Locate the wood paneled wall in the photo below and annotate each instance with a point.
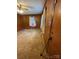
(19, 22)
(49, 10)
(23, 21)
(53, 28)
(38, 20)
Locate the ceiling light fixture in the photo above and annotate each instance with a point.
(20, 11)
(19, 8)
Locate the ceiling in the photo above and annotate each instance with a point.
(30, 6)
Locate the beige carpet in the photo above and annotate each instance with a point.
(30, 44)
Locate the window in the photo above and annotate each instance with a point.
(32, 21)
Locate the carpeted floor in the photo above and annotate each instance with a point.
(30, 44)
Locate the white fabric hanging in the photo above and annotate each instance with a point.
(32, 21)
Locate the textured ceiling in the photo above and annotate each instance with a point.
(33, 6)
